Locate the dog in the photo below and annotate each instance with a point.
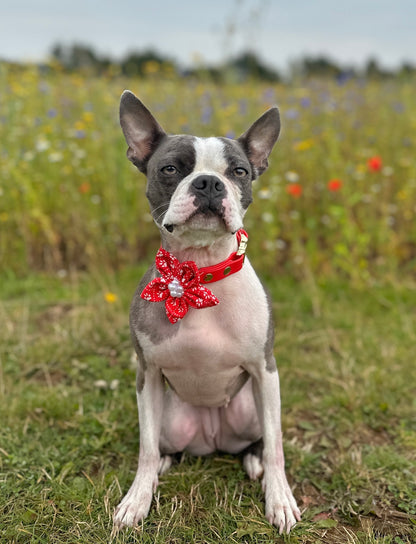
(201, 322)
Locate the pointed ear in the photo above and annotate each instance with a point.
(259, 139)
(141, 130)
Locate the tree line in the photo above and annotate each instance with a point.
(243, 66)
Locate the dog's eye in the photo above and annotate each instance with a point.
(240, 172)
(169, 170)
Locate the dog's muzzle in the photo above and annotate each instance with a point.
(209, 192)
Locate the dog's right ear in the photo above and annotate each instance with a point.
(141, 130)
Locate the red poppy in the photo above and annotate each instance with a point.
(294, 189)
(374, 164)
(334, 185)
(84, 188)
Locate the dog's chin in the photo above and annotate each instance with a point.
(206, 221)
(201, 228)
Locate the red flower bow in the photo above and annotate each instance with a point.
(179, 286)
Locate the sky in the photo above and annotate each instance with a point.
(211, 31)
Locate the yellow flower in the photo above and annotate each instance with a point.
(303, 145)
(402, 195)
(79, 125)
(88, 117)
(110, 298)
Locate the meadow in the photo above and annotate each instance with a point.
(332, 233)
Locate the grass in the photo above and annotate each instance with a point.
(69, 440)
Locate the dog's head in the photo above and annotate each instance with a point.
(198, 188)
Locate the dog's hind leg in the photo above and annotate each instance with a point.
(252, 460)
(164, 464)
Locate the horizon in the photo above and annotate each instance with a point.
(194, 34)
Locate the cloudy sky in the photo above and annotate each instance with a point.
(279, 31)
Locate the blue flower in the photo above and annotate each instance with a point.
(206, 114)
(292, 113)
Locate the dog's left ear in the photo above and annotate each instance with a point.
(141, 130)
(259, 139)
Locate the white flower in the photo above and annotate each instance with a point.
(264, 194)
(267, 217)
(42, 145)
(292, 176)
(28, 156)
(55, 157)
(96, 199)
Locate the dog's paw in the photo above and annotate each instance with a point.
(253, 466)
(164, 464)
(281, 507)
(133, 508)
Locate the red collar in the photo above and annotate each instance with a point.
(234, 263)
(180, 284)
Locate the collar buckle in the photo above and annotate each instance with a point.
(242, 246)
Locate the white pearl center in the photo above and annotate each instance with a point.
(175, 288)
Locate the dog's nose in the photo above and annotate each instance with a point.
(209, 187)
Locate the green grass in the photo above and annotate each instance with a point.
(69, 439)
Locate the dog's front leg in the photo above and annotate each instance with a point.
(281, 508)
(136, 504)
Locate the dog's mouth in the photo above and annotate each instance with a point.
(206, 220)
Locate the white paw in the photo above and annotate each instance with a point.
(281, 507)
(164, 464)
(133, 508)
(253, 466)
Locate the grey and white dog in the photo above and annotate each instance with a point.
(207, 381)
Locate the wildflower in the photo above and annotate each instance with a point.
(292, 113)
(56, 156)
(96, 199)
(206, 115)
(375, 163)
(334, 185)
(295, 190)
(303, 145)
(42, 145)
(79, 125)
(388, 171)
(267, 217)
(402, 195)
(28, 156)
(269, 96)
(84, 188)
(87, 117)
(305, 101)
(264, 194)
(110, 298)
(114, 384)
(243, 107)
(292, 176)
